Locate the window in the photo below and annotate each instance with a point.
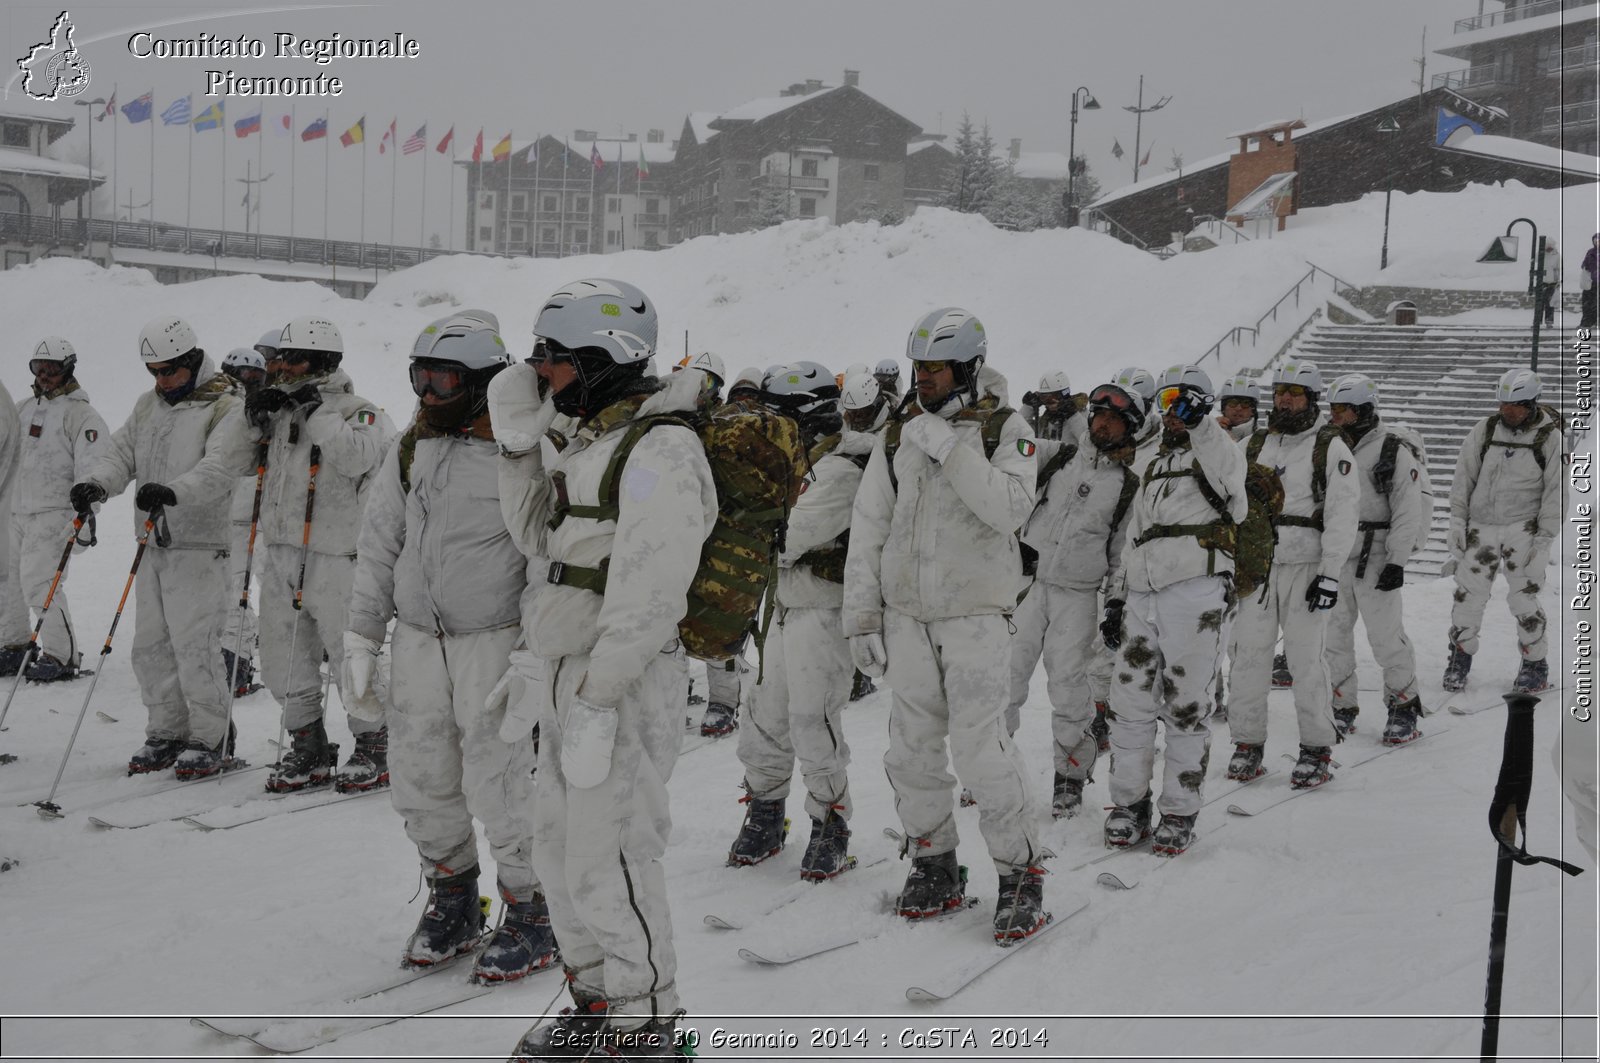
(869, 172)
(869, 136)
(16, 135)
(583, 204)
(547, 235)
(808, 167)
(650, 240)
(741, 208)
(485, 235)
(12, 201)
(549, 205)
(486, 201)
(652, 206)
(741, 169)
(808, 207)
(519, 202)
(613, 204)
(519, 235)
(580, 236)
(611, 238)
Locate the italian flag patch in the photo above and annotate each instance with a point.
(1026, 448)
(366, 417)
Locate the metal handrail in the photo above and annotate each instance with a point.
(1221, 224)
(1512, 14)
(1236, 331)
(1128, 236)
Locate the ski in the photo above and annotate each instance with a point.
(270, 805)
(1381, 751)
(1458, 706)
(410, 974)
(951, 981)
(146, 809)
(789, 895)
(291, 1035)
(778, 958)
(1045, 852)
(1129, 880)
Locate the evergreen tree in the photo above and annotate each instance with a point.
(772, 204)
(976, 173)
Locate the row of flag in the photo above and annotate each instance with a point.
(180, 112)
(1117, 152)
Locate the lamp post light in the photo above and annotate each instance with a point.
(1388, 126)
(1139, 111)
(89, 230)
(1504, 249)
(1089, 104)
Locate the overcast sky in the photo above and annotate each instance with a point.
(628, 66)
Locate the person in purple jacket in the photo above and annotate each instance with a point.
(1591, 265)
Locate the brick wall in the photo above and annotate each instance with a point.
(1442, 302)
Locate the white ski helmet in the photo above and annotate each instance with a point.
(856, 367)
(1239, 387)
(802, 391)
(1354, 389)
(1136, 381)
(55, 349)
(749, 378)
(312, 334)
(1054, 382)
(947, 334)
(243, 358)
(1120, 401)
(611, 315)
(268, 343)
(887, 367)
(1185, 381)
(1306, 374)
(863, 392)
(166, 339)
(707, 362)
(468, 338)
(1518, 385)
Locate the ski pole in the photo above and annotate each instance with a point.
(299, 589)
(1507, 811)
(48, 808)
(249, 558)
(78, 522)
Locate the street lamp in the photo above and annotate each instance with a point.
(1504, 249)
(89, 231)
(1089, 104)
(1389, 126)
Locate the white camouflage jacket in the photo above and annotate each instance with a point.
(1071, 525)
(1401, 508)
(1168, 499)
(820, 516)
(944, 544)
(1291, 457)
(61, 434)
(1506, 485)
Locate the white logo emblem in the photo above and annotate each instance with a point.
(55, 69)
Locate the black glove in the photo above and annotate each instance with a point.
(1322, 594)
(308, 398)
(152, 495)
(1030, 399)
(1191, 408)
(260, 405)
(1391, 578)
(1111, 626)
(82, 496)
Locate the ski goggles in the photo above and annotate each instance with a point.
(1111, 397)
(47, 367)
(545, 350)
(937, 365)
(442, 381)
(161, 372)
(288, 357)
(1299, 391)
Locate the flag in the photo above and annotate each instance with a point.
(502, 150)
(110, 108)
(210, 118)
(139, 110)
(416, 141)
(355, 134)
(1116, 148)
(177, 112)
(283, 125)
(247, 125)
(1146, 160)
(316, 130)
(532, 154)
(477, 147)
(594, 157)
(644, 167)
(388, 136)
(444, 144)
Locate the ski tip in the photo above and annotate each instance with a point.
(49, 810)
(197, 823)
(1235, 810)
(918, 995)
(105, 716)
(720, 924)
(1110, 881)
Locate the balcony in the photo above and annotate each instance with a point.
(795, 183)
(1579, 57)
(1482, 77)
(1514, 14)
(650, 219)
(1585, 113)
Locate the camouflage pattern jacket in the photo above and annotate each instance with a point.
(1291, 456)
(1506, 485)
(819, 518)
(1402, 508)
(1072, 524)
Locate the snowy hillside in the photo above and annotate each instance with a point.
(1350, 923)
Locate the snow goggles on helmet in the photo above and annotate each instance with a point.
(46, 367)
(1299, 391)
(1170, 396)
(938, 365)
(545, 350)
(443, 381)
(1111, 397)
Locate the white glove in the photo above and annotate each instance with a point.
(1538, 559)
(524, 691)
(1449, 567)
(517, 414)
(867, 652)
(587, 737)
(930, 434)
(357, 688)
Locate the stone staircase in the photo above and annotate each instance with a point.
(1438, 380)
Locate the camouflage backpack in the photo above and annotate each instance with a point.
(1249, 543)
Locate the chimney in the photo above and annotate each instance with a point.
(654, 136)
(852, 78)
(584, 134)
(1016, 147)
(813, 84)
(632, 137)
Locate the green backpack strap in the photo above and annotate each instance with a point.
(406, 455)
(1058, 461)
(1130, 488)
(607, 507)
(1537, 446)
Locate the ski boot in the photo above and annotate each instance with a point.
(522, 943)
(1402, 725)
(861, 686)
(452, 924)
(309, 762)
(1532, 677)
(1019, 913)
(1455, 672)
(1344, 720)
(827, 851)
(1246, 762)
(11, 658)
(936, 884)
(1101, 728)
(1128, 824)
(719, 720)
(762, 834)
(1311, 769)
(241, 671)
(1173, 834)
(572, 1035)
(157, 754)
(368, 766)
(1067, 799)
(1281, 677)
(48, 668)
(198, 760)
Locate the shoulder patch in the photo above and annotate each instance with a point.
(366, 417)
(91, 434)
(1344, 467)
(1026, 447)
(1413, 472)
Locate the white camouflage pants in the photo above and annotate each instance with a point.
(36, 542)
(722, 681)
(1062, 625)
(796, 711)
(179, 602)
(447, 762)
(1380, 613)
(1492, 548)
(598, 850)
(240, 634)
(951, 683)
(1172, 646)
(1304, 644)
(297, 682)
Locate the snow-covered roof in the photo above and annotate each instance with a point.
(1509, 149)
(1042, 165)
(1276, 126)
(14, 161)
(756, 110)
(12, 108)
(700, 124)
(913, 148)
(140, 256)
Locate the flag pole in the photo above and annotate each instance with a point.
(327, 150)
(362, 241)
(450, 215)
(394, 176)
(222, 127)
(561, 234)
(152, 165)
(188, 186)
(261, 145)
(422, 222)
(595, 148)
(115, 172)
(533, 214)
(294, 134)
(507, 212)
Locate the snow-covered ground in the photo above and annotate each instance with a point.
(1350, 923)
